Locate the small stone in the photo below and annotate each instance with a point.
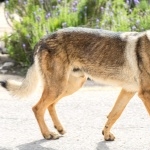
(4, 51)
(7, 65)
(2, 44)
(3, 71)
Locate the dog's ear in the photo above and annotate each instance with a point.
(148, 34)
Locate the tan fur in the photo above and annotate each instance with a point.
(65, 59)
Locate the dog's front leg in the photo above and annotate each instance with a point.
(123, 99)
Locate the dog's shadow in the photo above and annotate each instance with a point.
(34, 145)
(37, 146)
(102, 146)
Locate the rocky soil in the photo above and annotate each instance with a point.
(7, 64)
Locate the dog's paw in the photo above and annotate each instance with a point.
(108, 136)
(3, 83)
(60, 130)
(51, 136)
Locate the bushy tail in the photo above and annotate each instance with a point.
(29, 84)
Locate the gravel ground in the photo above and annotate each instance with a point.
(83, 115)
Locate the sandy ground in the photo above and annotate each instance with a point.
(83, 115)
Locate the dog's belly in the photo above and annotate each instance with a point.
(125, 78)
(130, 85)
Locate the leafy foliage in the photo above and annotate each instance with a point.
(32, 19)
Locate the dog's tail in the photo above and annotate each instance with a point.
(29, 84)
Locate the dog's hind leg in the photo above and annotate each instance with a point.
(54, 75)
(122, 100)
(53, 114)
(74, 83)
(49, 97)
(39, 111)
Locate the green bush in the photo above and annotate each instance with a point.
(36, 18)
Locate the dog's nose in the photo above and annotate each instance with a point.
(3, 83)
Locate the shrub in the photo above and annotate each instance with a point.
(35, 18)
